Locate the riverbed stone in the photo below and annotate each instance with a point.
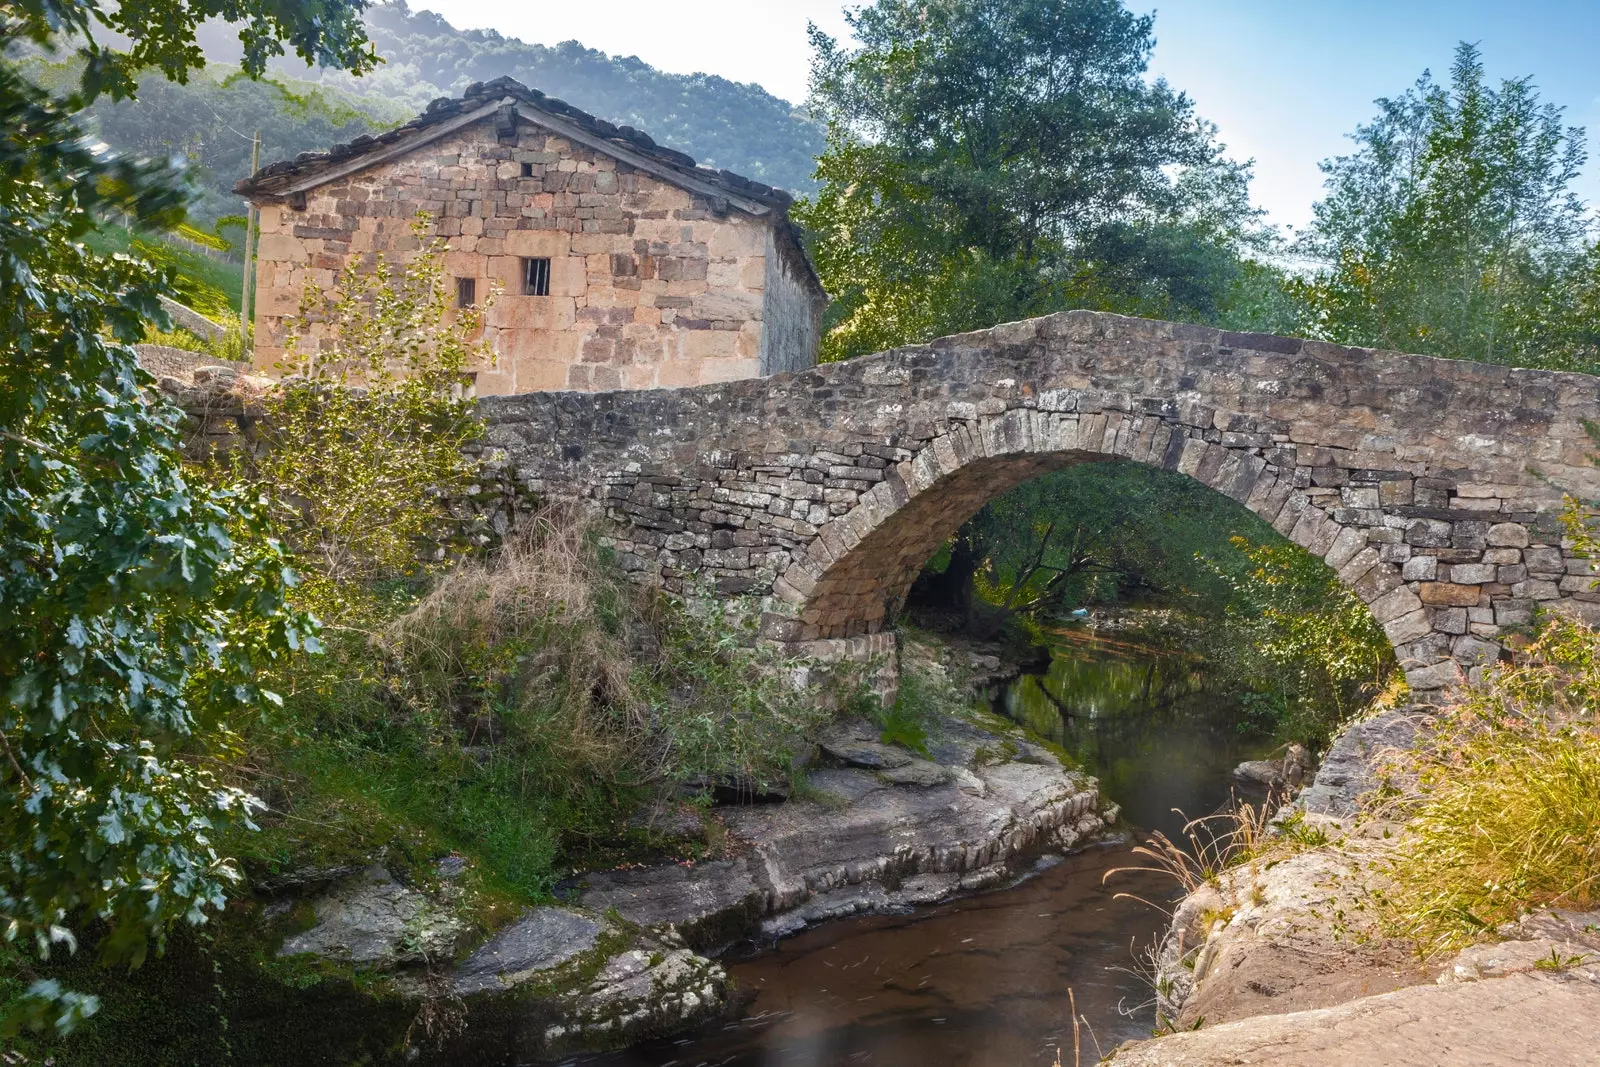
(542, 939)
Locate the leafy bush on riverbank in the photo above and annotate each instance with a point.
(1299, 646)
(1505, 814)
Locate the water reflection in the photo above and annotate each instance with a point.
(1141, 720)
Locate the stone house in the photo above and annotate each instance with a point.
(621, 264)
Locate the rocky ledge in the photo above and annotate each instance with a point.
(879, 828)
(870, 827)
(1283, 961)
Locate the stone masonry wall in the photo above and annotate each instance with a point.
(1432, 486)
(649, 286)
(792, 326)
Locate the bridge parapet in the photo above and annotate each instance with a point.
(1434, 487)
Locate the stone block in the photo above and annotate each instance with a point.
(1359, 496)
(1514, 612)
(1444, 675)
(1508, 535)
(1420, 569)
(1471, 573)
(1450, 620)
(1396, 492)
(1350, 541)
(1409, 627)
(1394, 553)
(1446, 594)
(1543, 559)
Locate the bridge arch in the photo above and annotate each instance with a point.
(1433, 487)
(853, 577)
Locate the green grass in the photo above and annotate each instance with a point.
(1505, 816)
(210, 286)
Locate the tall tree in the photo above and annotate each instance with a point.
(1453, 229)
(991, 159)
(136, 609)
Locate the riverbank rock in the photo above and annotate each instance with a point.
(552, 981)
(372, 920)
(1276, 775)
(560, 980)
(1283, 961)
(1353, 764)
(881, 829)
(1509, 1022)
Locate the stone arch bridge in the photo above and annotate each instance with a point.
(1433, 487)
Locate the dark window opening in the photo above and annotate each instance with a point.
(536, 277)
(466, 292)
(527, 170)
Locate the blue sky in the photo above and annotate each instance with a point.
(1284, 81)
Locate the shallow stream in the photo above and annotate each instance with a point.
(990, 981)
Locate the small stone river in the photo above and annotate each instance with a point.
(990, 980)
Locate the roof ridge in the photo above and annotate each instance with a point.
(275, 177)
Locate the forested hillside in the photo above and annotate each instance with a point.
(721, 123)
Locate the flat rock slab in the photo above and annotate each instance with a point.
(865, 833)
(542, 939)
(1506, 1022)
(856, 742)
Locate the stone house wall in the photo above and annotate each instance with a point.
(650, 285)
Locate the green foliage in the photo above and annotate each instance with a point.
(519, 713)
(215, 997)
(1300, 644)
(113, 43)
(136, 610)
(991, 160)
(1273, 623)
(210, 286)
(1454, 230)
(209, 121)
(365, 436)
(1103, 532)
(1505, 816)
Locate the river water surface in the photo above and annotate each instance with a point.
(990, 981)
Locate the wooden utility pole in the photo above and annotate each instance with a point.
(246, 321)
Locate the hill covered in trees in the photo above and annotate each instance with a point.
(209, 120)
(719, 122)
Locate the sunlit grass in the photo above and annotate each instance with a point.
(1505, 813)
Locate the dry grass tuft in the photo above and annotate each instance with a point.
(538, 641)
(1215, 843)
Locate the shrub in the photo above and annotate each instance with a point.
(363, 440)
(1301, 645)
(1505, 814)
(519, 712)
